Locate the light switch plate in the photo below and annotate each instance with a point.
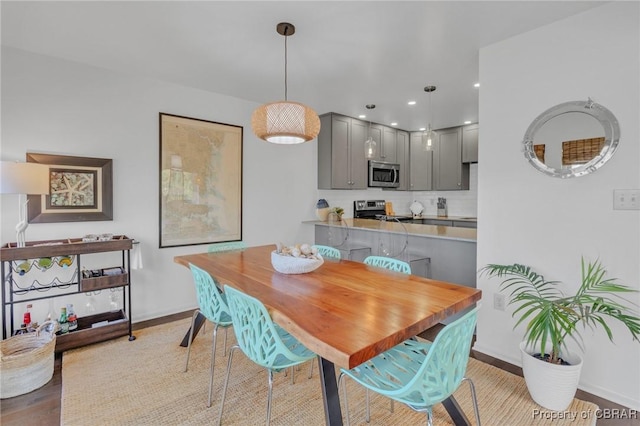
(626, 199)
(499, 301)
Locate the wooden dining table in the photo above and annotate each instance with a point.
(346, 312)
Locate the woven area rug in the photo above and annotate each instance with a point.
(143, 383)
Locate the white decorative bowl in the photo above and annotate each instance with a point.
(294, 265)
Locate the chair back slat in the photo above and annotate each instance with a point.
(388, 263)
(328, 252)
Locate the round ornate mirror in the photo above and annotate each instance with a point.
(571, 139)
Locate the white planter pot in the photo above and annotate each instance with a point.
(322, 213)
(550, 385)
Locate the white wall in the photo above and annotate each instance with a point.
(528, 217)
(60, 107)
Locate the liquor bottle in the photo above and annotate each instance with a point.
(72, 318)
(27, 315)
(63, 321)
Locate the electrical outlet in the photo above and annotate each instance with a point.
(626, 199)
(499, 301)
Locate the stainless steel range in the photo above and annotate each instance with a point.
(374, 209)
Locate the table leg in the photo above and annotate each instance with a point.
(200, 319)
(456, 413)
(332, 412)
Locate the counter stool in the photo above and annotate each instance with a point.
(420, 265)
(339, 238)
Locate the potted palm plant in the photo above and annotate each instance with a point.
(552, 318)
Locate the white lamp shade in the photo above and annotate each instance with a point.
(285, 122)
(24, 178)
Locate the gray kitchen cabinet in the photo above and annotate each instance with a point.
(438, 222)
(446, 222)
(470, 143)
(403, 158)
(449, 171)
(342, 163)
(341, 160)
(420, 164)
(385, 138)
(389, 142)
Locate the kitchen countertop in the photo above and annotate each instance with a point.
(434, 231)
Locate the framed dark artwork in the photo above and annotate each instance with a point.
(80, 189)
(200, 181)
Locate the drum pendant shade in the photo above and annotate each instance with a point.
(285, 122)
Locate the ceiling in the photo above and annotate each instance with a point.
(343, 55)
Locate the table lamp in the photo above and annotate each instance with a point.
(22, 179)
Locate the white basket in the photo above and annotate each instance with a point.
(27, 361)
(294, 265)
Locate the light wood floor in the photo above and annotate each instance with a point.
(42, 406)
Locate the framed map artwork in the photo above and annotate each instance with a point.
(80, 189)
(200, 181)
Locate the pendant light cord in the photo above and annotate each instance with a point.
(370, 107)
(285, 63)
(430, 112)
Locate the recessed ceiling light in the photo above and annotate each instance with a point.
(422, 129)
(411, 103)
(362, 116)
(394, 124)
(467, 122)
(476, 85)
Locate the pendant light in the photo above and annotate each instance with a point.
(285, 122)
(370, 145)
(427, 136)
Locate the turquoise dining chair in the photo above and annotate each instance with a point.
(420, 374)
(328, 252)
(213, 305)
(218, 248)
(262, 341)
(393, 265)
(388, 263)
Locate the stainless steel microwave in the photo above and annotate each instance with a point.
(384, 175)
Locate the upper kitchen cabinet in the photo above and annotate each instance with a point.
(450, 173)
(341, 160)
(470, 143)
(385, 138)
(420, 165)
(403, 158)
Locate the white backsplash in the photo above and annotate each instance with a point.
(459, 203)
